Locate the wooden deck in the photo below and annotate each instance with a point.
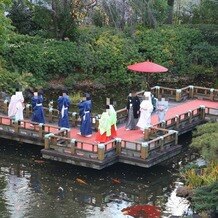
(189, 107)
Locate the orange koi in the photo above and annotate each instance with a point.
(80, 181)
(116, 181)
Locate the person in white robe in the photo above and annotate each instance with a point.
(162, 107)
(146, 109)
(15, 107)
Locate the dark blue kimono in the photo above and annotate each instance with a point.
(63, 107)
(38, 113)
(85, 115)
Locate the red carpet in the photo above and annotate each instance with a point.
(136, 134)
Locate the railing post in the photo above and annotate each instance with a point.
(191, 91)
(101, 151)
(157, 92)
(190, 116)
(16, 126)
(41, 129)
(96, 122)
(178, 94)
(161, 143)
(27, 110)
(176, 135)
(50, 113)
(66, 132)
(146, 133)
(5, 106)
(73, 145)
(47, 140)
(118, 145)
(108, 101)
(211, 94)
(202, 110)
(74, 119)
(163, 124)
(144, 150)
(177, 121)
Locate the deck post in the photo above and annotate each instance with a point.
(161, 143)
(41, 130)
(144, 150)
(146, 133)
(178, 94)
(118, 145)
(73, 145)
(211, 94)
(191, 91)
(27, 110)
(101, 151)
(202, 111)
(47, 140)
(157, 92)
(5, 106)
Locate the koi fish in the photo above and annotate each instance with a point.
(80, 181)
(116, 181)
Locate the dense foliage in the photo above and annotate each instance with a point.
(205, 179)
(102, 55)
(205, 139)
(206, 198)
(74, 41)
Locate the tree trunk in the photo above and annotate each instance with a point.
(170, 11)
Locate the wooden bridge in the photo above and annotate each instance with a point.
(189, 107)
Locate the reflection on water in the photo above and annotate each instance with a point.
(33, 188)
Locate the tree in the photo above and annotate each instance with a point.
(21, 13)
(5, 24)
(205, 139)
(206, 12)
(170, 11)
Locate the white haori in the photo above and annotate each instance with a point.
(15, 108)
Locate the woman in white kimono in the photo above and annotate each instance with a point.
(15, 108)
(146, 109)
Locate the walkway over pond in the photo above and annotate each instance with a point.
(189, 107)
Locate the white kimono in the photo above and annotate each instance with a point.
(146, 109)
(15, 108)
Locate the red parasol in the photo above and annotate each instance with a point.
(147, 67)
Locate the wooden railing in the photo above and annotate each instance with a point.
(80, 148)
(145, 149)
(26, 128)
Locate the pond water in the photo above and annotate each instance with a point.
(32, 187)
